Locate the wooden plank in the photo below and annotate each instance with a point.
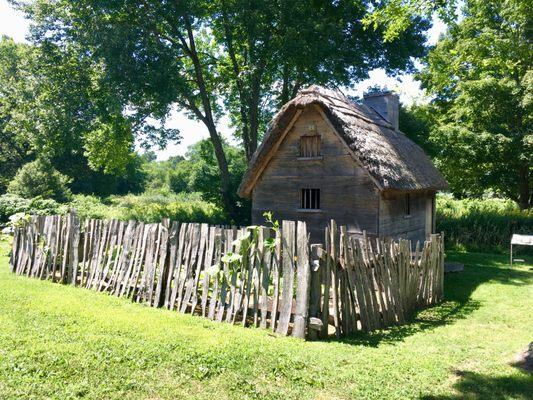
(288, 258)
(66, 236)
(327, 284)
(252, 260)
(74, 248)
(133, 281)
(192, 294)
(303, 282)
(315, 287)
(234, 295)
(218, 254)
(227, 238)
(145, 263)
(128, 243)
(182, 239)
(173, 249)
(208, 262)
(276, 266)
(124, 287)
(190, 263)
(334, 276)
(265, 279)
(162, 266)
(256, 277)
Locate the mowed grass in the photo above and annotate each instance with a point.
(62, 342)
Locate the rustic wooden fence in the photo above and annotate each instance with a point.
(258, 276)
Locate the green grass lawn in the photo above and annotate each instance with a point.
(62, 342)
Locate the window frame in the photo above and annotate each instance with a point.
(310, 197)
(407, 205)
(310, 155)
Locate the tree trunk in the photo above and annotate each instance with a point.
(224, 173)
(524, 197)
(209, 121)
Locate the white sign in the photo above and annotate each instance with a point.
(526, 240)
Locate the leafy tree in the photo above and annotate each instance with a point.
(252, 55)
(180, 177)
(204, 176)
(480, 74)
(417, 121)
(395, 17)
(54, 104)
(40, 178)
(14, 145)
(274, 49)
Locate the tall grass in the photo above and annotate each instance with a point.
(147, 207)
(150, 207)
(481, 224)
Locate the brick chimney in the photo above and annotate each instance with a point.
(385, 103)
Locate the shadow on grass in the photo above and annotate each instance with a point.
(472, 385)
(458, 288)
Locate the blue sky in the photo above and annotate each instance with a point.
(13, 24)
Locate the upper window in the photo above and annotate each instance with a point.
(310, 146)
(310, 199)
(407, 204)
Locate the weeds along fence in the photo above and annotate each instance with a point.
(266, 277)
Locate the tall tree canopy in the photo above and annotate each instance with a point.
(55, 104)
(209, 57)
(480, 74)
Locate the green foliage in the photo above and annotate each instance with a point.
(480, 74)
(55, 104)
(40, 178)
(149, 207)
(204, 176)
(14, 144)
(11, 204)
(396, 16)
(481, 224)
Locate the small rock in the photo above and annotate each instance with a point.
(453, 267)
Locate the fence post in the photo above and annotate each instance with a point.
(73, 242)
(288, 253)
(303, 282)
(315, 323)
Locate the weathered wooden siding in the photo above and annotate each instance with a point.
(347, 193)
(395, 223)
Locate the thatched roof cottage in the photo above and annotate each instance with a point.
(325, 157)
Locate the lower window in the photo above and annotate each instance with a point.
(310, 199)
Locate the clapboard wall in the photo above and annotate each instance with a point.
(347, 193)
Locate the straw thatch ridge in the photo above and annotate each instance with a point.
(392, 159)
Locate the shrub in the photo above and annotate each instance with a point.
(12, 204)
(152, 207)
(481, 224)
(88, 207)
(40, 178)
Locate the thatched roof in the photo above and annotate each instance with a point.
(391, 158)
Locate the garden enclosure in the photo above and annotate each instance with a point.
(269, 277)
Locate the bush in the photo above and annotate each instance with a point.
(91, 207)
(12, 204)
(481, 224)
(152, 207)
(40, 178)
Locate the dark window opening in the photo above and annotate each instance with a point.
(407, 204)
(310, 199)
(310, 146)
